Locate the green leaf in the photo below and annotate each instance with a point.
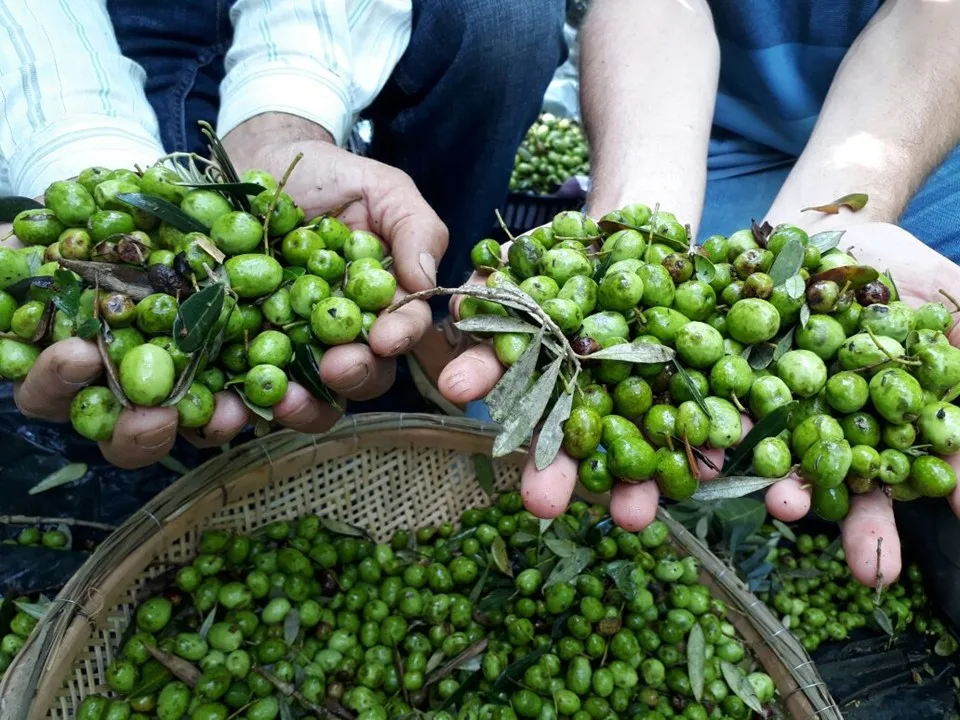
(569, 567)
(545, 524)
(208, 623)
(696, 660)
(500, 558)
(854, 201)
(894, 290)
(622, 572)
(827, 240)
(483, 468)
(883, 621)
(731, 487)
(247, 188)
(706, 271)
(788, 262)
(65, 475)
(514, 383)
(286, 712)
(740, 686)
(784, 530)
(339, 527)
(804, 315)
(114, 277)
(306, 371)
(35, 610)
(262, 412)
(795, 287)
(644, 354)
(197, 318)
(856, 275)
(772, 424)
(946, 645)
(760, 356)
(702, 528)
(166, 211)
(68, 297)
(526, 414)
(784, 344)
(559, 547)
(478, 588)
(88, 329)
(551, 434)
(153, 676)
(13, 205)
(291, 627)
(691, 386)
(496, 323)
(210, 347)
(744, 513)
(291, 273)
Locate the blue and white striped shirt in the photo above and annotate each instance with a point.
(69, 99)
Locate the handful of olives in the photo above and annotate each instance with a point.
(188, 289)
(860, 385)
(553, 151)
(495, 620)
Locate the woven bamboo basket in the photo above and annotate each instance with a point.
(381, 472)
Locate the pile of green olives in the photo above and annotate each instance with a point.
(33, 536)
(553, 151)
(290, 283)
(757, 322)
(504, 618)
(820, 601)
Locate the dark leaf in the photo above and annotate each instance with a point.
(167, 280)
(209, 349)
(264, 413)
(623, 574)
(894, 290)
(804, 315)
(731, 487)
(494, 600)
(478, 588)
(13, 205)
(69, 289)
(291, 626)
(471, 652)
(772, 424)
(496, 323)
(746, 513)
(115, 278)
(42, 331)
(854, 201)
(644, 354)
(761, 232)
(856, 275)
(110, 369)
(545, 524)
(559, 547)
(784, 344)
(219, 153)
(483, 468)
(551, 434)
(826, 240)
(705, 269)
(609, 227)
(691, 385)
(795, 287)
(570, 567)
(784, 530)
(514, 383)
(286, 712)
(166, 211)
(247, 188)
(88, 329)
(306, 370)
(208, 623)
(788, 262)
(696, 660)
(20, 289)
(180, 668)
(740, 686)
(338, 527)
(153, 677)
(527, 412)
(292, 273)
(500, 558)
(883, 620)
(197, 318)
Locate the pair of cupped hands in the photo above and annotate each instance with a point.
(385, 201)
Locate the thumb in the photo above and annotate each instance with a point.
(59, 373)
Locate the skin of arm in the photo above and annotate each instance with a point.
(890, 117)
(649, 83)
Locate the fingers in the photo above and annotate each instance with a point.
(230, 416)
(142, 436)
(788, 500)
(546, 493)
(356, 373)
(417, 236)
(708, 473)
(471, 375)
(59, 373)
(302, 412)
(870, 521)
(395, 333)
(633, 506)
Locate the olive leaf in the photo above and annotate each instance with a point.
(696, 660)
(113, 277)
(291, 626)
(804, 315)
(788, 262)
(784, 344)
(559, 547)
(13, 205)
(42, 287)
(458, 662)
(740, 686)
(545, 524)
(210, 348)
(264, 413)
(642, 354)
(286, 712)
(570, 567)
(306, 371)
(197, 318)
(44, 325)
(827, 240)
(88, 329)
(702, 528)
(527, 412)
(500, 558)
(883, 621)
(69, 289)
(784, 530)
(63, 476)
(483, 469)
(691, 386)
(551, 434)
(208, 623)
(153, 677)
(338, 527)
(206, 244)
(731, 487)
(163, 210)
(854, 201)
(247, 188)
(623, 573)
(496, 323)
(706, 271)
(854, 275)
(771, 424)
(515, 381)
(109, 367)
(795, 287)
(894, 290)
(290, 274)
(35, 610)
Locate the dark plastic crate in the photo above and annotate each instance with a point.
(525, 212)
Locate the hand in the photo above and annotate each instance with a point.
(919, 273)
(386, 203)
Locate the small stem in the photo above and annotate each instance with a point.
(638, 313)
(691, 460)
(71, 522)
(736, 401)
(503, 225)
(290, 691)
(274, 200)
(879, 572)
(950, 297)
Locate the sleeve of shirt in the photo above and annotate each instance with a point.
(322, 60)
(69, 99)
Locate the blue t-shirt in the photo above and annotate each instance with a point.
(777, 60)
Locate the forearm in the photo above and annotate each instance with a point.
(649, 77)
(892, 114)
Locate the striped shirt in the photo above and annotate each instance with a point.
(69, 99)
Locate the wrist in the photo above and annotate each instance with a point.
(273, 127)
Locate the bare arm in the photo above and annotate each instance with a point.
(892, 114)
(649, 78)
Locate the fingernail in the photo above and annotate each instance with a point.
(153, 439)
(401, 347)
(429, 267)
(74, 375)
